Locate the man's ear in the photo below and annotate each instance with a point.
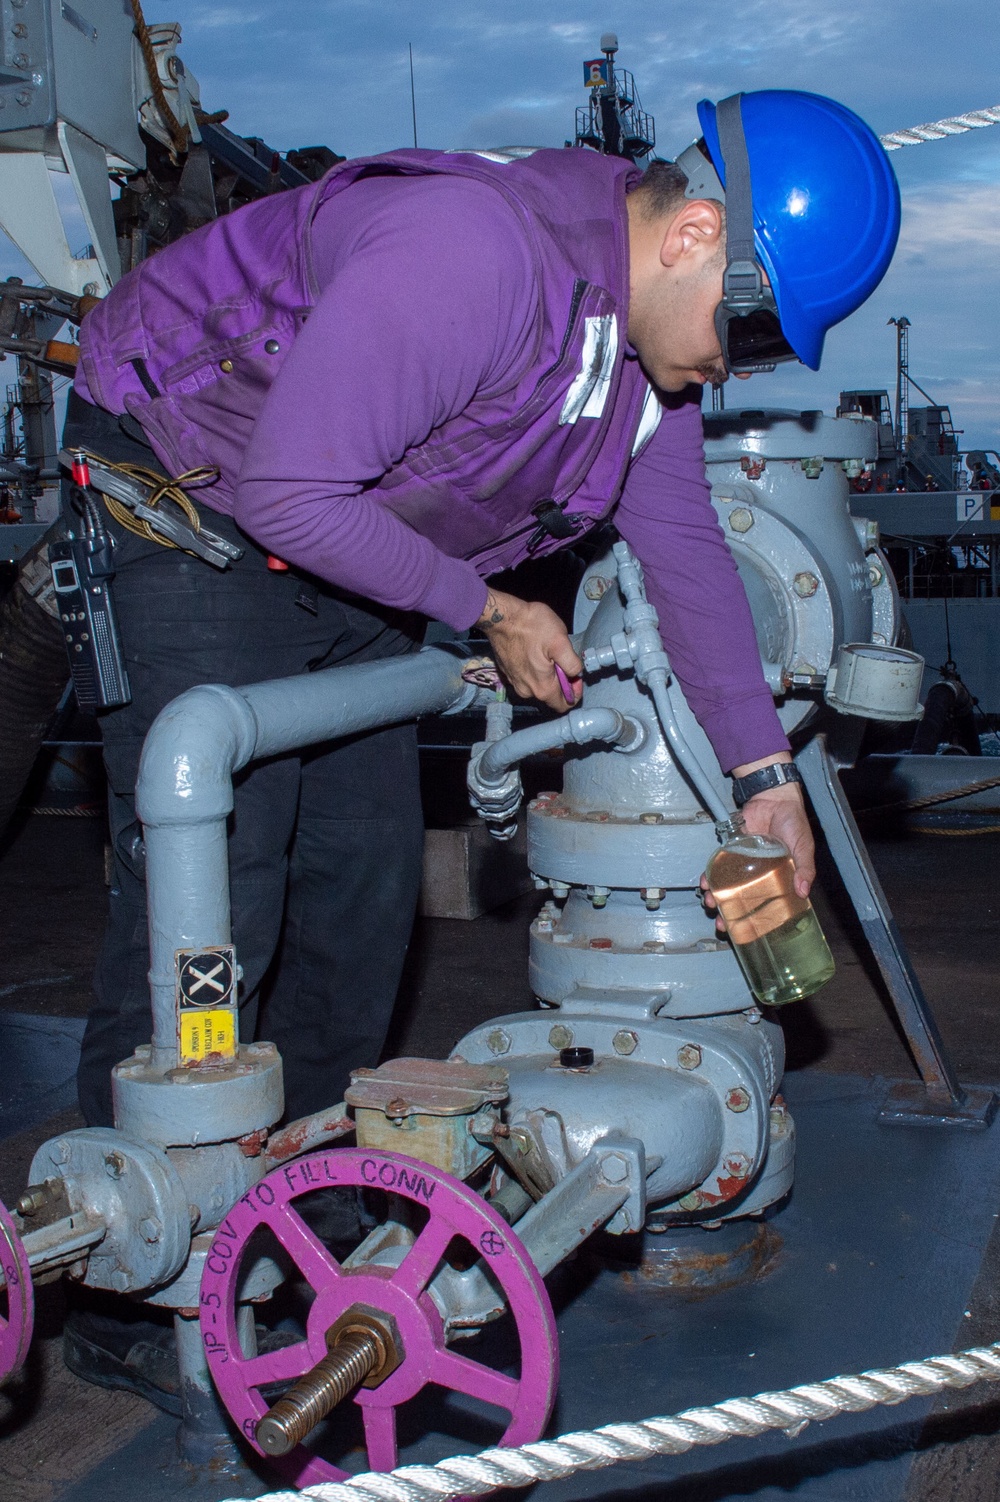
(694, 234)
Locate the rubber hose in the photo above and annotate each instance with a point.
(33, 675)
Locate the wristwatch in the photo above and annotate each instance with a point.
(774, 776)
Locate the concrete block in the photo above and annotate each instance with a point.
(468, 872)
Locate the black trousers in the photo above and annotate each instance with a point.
(325, 845)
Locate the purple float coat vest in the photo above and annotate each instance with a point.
(191, 341)
(244, 284)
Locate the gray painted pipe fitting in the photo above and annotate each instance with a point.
(185, 789)
(577, 727)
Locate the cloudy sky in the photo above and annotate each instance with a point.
(499, 72)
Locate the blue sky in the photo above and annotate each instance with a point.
(335, 72)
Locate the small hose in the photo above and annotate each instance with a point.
(577, 727)
(686, 759)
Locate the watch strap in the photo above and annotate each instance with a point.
(774, 776)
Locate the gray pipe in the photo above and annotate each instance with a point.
(578, 727)
(184, 794)
(659, 686)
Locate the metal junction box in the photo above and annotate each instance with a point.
(66, 62)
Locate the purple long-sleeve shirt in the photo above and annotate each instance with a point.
(355, 394)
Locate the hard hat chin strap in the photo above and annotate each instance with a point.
(743, 288)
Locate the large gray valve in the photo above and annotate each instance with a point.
(647, 1079)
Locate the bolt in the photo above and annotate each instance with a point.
(876, 574)
(498, 1041)
(483, 1126)
(602, 944)
(741, 519)
(150, 1230)
(19, 29)
(614, 1168)
(737, 1166)
(650, 818)
(597, 816)
(692, 1201)
(541, 885)
(363, 1346)
(738, 1099)
(652, 897)
(560, 1036)
(21, 60)
(654, 946)
(599, 895)
(563, 938)
(59, 1152)
(689, 1056)
(813, 468)
(596, 587)
(625, 1041)
(31, 1202)
(805, 585)
(560, 890)
(395, 1107)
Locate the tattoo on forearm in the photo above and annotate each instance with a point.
(492, 615)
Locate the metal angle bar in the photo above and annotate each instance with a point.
(945, 1099)
(585, 1199)
(239, 156)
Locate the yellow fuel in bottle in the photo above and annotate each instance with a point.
(774, 932)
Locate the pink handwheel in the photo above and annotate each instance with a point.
(454, 1210)
(16, 1328)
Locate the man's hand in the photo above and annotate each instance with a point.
(781, 813)
(527, 640)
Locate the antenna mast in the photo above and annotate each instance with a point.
(902, 386)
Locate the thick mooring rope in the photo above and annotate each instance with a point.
(547, 1460)
(936, 130)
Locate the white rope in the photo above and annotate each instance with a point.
(475, 1475)
(936, 130)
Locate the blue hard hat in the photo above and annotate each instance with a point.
(825, 207)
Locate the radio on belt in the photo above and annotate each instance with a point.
(82, 568)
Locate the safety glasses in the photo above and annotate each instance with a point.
(752, 341)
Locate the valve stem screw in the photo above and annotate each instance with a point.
(363, 1347)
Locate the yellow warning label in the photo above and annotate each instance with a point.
(204, 1033)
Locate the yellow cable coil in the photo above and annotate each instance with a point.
(161, 489)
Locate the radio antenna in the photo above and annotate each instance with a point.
(413, 98)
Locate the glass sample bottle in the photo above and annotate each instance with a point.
(774, 932)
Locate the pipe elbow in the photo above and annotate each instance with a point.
(602, 724)
(192, 750)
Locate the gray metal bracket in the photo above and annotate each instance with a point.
(939, 1099)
